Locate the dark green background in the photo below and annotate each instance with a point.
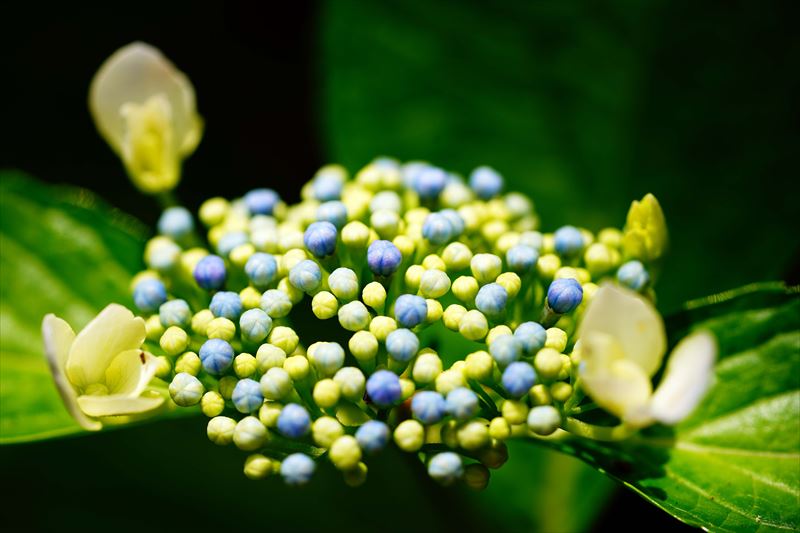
(583, 106)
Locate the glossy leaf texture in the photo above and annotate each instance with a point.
(62, 251)
(734, 464)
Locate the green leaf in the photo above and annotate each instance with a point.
(734, 464)
(62, 251)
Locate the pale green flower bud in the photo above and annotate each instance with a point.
(189, 363)
(200, 321)
(511, 282)
(298, 367)
(185, 389)
(599, 259)
(413, 277)
(645, 235)
(213, 211)
(407, 389)
(374, 295)
(354, 316)
(434, 312)
(561, 391)
(515, 411)
(409, 435)
(276, 384)
(250, 434)
(456, 256)
(479, 365)
(355, 235)
(486, 267)
(220, 430)
(268, 414)
(245, 365)
(427, 368)
(284, 338)
(163, 368)
(355, 477)
(433, 262)
(324, 305)
(325, 430)
(153, 328)
(434, 284)
(363, 345)
(548, 363)
(344, 284)
(547, 265)
(226, 386)
(540, 395)
(221, 328)
(212, 404)
(405, 244)
(258, 466)
(326, 393)
(381, 326)
(499, 428)
(452, 316)
(345, 453)
(465, 288)
(611, 237)
(474, 325)
(556, 339)
(497, 332)
(269, 356)
(352, 382)
(544, 420)
(449, 380)
(473, 435)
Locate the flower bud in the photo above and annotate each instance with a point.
(185, 389)
(220, 430)
(409, 435)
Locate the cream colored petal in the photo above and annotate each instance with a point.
(632, 320)
(689, 373)
(623, 389)
(124, 374)
(58, 338)
(134, 73)
(113, 331)
(118, 404)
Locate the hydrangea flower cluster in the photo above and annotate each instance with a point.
(400, 250)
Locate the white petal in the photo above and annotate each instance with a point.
(58, 338)
(615, 383)
(632, 320)
(689, 373)
(118, 404)
(113, 331)
(134, 73)
(130, 372)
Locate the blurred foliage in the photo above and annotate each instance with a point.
(62, 251)
(586, 108)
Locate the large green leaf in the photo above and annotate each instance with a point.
(62, 251)
(734, 464)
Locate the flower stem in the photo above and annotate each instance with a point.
(602, 433)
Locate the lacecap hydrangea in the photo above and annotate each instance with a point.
(308, 333)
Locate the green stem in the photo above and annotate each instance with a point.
(601, 433)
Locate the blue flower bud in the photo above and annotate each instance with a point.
(437, 228)
(334, 212)
(294, 421)
(428, 407)
(462, 403)
(532, 336)
(176, 222)
(429, 182)
(568, 241)
(410, 310)
(161, 253)
(372, 436)
(149, 294)
(216, 355)
(383, 258)
(297, 469)
(247, 396)
(486, 182)
(564, 295)
(320, 238)
(521, 258)
(255, 325)
(328, 357)
(327, 187)
(209, 273)
(446, 468)
(175, 313)
(276, 303)
(402, 344)
(261, 269)
(456, 221)
(226, 304)
(383, 388)
(306, 275)
(633, 275)
(231, 240)
(505, 350)
(261, 201)
(518, 378)
(491, 299)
